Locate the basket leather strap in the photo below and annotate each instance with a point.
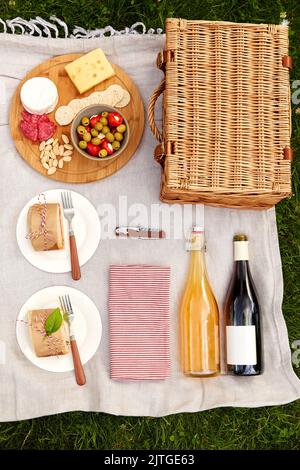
(287, 62)
(157, 92)
(288, 153)
(159, 155)
(161, 60)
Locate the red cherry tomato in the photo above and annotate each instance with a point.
(87, 128)
(94, 119)
(107, 146)
(92, 149)
(114, 119)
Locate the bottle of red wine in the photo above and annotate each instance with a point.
(242, 313)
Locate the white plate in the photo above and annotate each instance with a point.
(87, 230)
(87, 326)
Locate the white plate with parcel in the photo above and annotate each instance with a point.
(86, 225)
(87, 327)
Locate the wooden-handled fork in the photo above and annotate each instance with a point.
(66, 198)
(66, 306)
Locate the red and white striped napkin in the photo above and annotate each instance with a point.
(139, 322)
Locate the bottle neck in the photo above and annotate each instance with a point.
(241, 257)
(241, 270)
(197, 248)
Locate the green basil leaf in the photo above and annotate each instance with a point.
(53, 322)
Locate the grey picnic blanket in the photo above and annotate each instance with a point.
(27, 391)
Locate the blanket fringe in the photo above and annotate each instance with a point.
(55, 28)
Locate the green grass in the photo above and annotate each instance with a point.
(264, 428)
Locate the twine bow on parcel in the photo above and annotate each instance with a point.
(43, 230)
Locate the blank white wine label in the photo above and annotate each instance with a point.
(241, 345)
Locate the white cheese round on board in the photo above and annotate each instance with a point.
(39, 95)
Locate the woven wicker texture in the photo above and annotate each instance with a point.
(226, 133)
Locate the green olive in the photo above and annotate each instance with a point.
(98, 126)
(82, 144)
(102, 153)
(121, 128)
(85, 121)
(96, 141)
(105, 130)
(80, 130)
(94, 132)
(118, 136)
(104, 114)
(110, 137)
(87, 137)
(116, 145)
(104, 121)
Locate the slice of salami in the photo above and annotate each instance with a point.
(29, 130)
(43, 118)
(26, 116)
(37, 127)
(46, 130)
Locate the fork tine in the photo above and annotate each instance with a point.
(67, 200)
(67, 301)
(66, 304)
(63, 304)
(71, 200)
(69, 305)
(63, 200)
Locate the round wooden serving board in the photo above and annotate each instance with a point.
(80, 169)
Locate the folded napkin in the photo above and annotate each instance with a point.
(139, 322)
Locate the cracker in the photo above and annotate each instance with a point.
(84, 102)
(124, 101)
(64, 115)
(109, 99)
(75, 105)
(96, 97)
(116, 90)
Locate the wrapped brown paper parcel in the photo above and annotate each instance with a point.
(53, 345)
(53, 237)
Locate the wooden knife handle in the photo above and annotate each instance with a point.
(79, 372)
(76, 273)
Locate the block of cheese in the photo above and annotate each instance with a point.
(89, 70)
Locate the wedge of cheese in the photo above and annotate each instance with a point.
(89, 70)
(54, 345)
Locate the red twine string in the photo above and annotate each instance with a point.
(54, 344)
(43, 231)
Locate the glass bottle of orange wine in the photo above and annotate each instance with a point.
(199, 316)
(242, 316)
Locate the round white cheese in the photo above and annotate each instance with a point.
(39, 95)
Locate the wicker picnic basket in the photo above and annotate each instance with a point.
(226, 114)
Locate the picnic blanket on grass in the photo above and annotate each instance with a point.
(27, 391)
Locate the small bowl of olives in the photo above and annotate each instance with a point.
(99, 132)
